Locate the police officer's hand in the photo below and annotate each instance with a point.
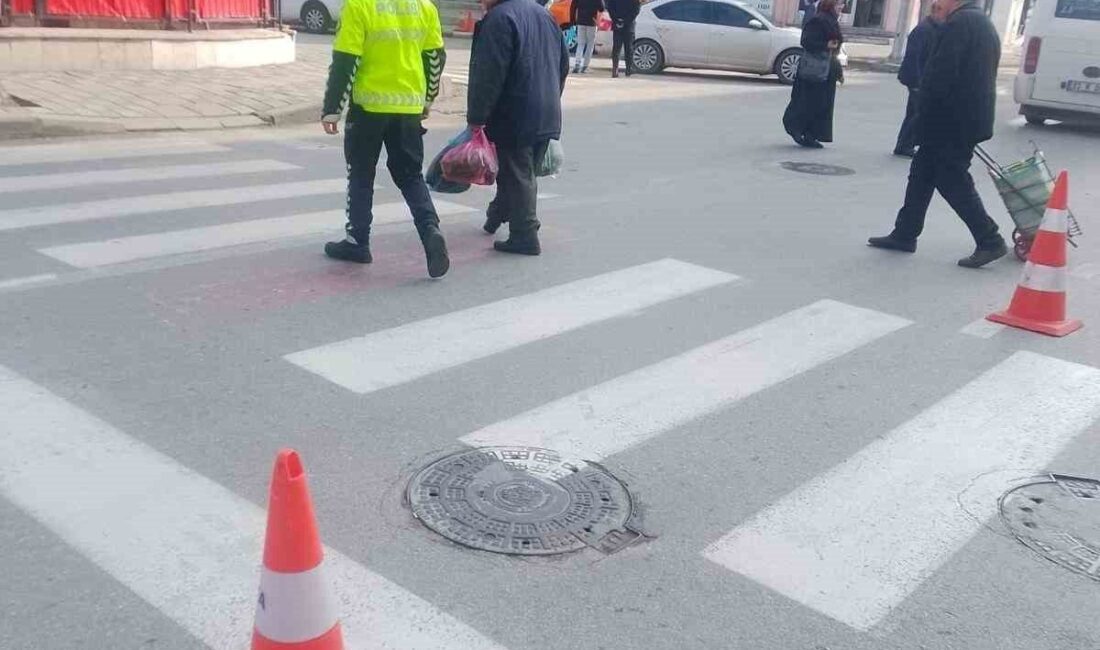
(331, 126)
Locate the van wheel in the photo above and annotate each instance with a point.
(1034, 120)
(315, 18)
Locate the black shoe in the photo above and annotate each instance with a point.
(525, 246)
(906, 153)
(435, 249)
(492, 224)
(810, 143)
(348, 252)
(892, 243)
(985, 254)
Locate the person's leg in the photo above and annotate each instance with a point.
(617, 36)
(918, 195)
(589, 46)
(578, 52)
(517, 170)
(956, 185)
(405, 159)
(363, 135)
(906, 144)
(628, 43)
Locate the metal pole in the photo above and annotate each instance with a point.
(904, 26)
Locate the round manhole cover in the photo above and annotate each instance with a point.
(1058, 517)
(523, 501)
(818, 169)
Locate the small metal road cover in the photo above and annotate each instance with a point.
(1058, 517)
(818, 169)
(523, 501)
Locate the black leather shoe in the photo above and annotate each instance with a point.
(905, 153)
(525, 246)
(435, 249)
(811, 143)
(890, 242)
(348, 252)
(984, 255)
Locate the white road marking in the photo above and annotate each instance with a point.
(27, 280)
(138, 247)
(982, 329)
(401, 354)
(101, 150)
(153, 203)
(854, 542)
(623, 412)
(137, 174)
(183, 543)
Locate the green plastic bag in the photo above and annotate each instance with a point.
(551, 163)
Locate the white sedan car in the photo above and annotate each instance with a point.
(713, 34)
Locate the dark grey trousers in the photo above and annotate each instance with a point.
(517, 189)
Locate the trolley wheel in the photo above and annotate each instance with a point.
(1021, 245)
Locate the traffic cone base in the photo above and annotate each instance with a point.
(331, 640)
(1055, 328)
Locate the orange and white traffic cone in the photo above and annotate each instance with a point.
(466, 24)
(1039, 304)
(297, 608)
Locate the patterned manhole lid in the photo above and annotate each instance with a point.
(1058, 517)
(523, 501)
(819, 169)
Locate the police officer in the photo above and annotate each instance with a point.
(388, 55)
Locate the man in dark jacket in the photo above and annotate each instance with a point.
(518, 68)
(955, 113)
(623, 15)
(917, 50)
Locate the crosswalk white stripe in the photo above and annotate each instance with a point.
(138, 174)
(152, 203)
(615, 415)
(185, 544)
(401, 354)
(88, 255)
(854, 542)
(26, 280)
(101, 150)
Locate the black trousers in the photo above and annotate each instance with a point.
(623, 39)
(907, 134)
(403, 137)
(944, 168)
(516, 201)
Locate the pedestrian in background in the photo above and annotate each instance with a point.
(518, 66)
(808, 9)
(955, 113)
(389, 56)
(809, 115)
(624, 13)
(585, 15)
(917, 50)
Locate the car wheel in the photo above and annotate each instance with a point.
(315, 18)
(649, 58)
(786, 65)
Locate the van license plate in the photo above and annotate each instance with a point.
(1082, 86)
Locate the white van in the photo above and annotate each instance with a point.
(1059, 77)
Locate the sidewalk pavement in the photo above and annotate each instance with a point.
(47, 104)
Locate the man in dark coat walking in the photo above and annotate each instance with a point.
(624, 13)
(518, 68)
(917, 50)
(955, 113)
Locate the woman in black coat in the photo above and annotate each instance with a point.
(809, 116)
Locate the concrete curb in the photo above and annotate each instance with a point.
(293, 114)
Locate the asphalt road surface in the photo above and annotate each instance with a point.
(817, 433)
